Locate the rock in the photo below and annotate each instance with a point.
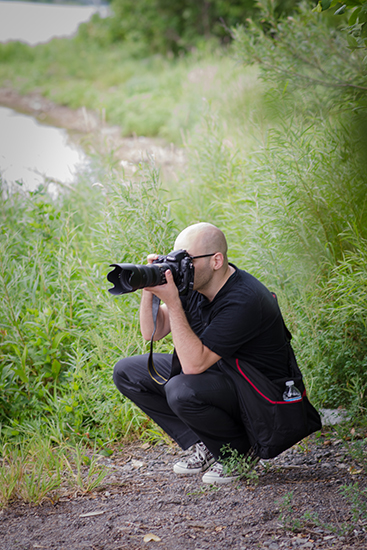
(330, 417)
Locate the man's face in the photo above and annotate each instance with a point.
(203, 270)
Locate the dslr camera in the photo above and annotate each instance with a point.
(130, 277)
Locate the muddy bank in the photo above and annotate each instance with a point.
(89, 130)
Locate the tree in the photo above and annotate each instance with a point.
(175, 25)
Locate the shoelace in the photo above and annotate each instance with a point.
(201, 454)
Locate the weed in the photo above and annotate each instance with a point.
(240, 465)
(286, 513)
(204, 490)
(84, 472)
(36, 470)
(357, 498)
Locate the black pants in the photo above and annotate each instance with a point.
(189, 407)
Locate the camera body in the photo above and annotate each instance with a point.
(130, 277)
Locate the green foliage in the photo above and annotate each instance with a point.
(328, 72)
(175, 27)
(238, 465)
(169, 26)
(154, 96)
(358, 512)
(358, 500)
(357, 19)
(35, 470)
(56, 315)
(15, 51)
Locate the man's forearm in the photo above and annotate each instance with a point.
(146, 318)
(191, 351)
(145, 315)
(193, 355)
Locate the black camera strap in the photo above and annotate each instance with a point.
(158, 378)
(176, 365)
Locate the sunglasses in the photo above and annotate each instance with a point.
(202, 256)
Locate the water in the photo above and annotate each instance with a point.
(32, 153)
(35, 23)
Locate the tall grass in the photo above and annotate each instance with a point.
(36, 470)
(61, 330)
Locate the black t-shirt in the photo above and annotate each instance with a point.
(243, 321)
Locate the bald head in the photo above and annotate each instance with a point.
(202, 238)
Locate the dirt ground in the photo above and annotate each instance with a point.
(296, 502)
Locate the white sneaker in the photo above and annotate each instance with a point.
(198, 462)
(216, 476)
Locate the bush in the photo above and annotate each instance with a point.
(312, 208)
(61, 330)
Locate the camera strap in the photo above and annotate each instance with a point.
(176, 365)
(158, 378)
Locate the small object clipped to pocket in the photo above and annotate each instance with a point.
(291, 393)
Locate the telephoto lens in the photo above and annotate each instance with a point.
(130, 277)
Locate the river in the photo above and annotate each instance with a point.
(34, 23)
(31, 152)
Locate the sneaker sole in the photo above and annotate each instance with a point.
(216, 480)
(181, 470)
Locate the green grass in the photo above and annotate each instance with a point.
(36, 470)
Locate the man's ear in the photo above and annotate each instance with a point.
(218, 260)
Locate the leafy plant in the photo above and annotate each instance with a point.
(239, 465)
(357, 19)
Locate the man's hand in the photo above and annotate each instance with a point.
(151, 258)
(168, 292)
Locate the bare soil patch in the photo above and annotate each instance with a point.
(296, 503)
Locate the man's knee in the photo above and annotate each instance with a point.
(179, 393)
(128, 371)
(120, 366)
(131, 376)
(119, 372)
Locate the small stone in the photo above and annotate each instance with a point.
(136, 464)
